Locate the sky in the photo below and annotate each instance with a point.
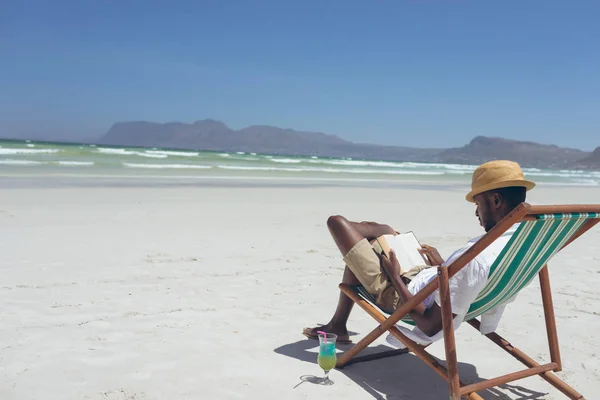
(414, 73)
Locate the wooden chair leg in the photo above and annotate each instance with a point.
(349, 354)
(449, 341)
(549, 317)
(530, 362)
(348, 357)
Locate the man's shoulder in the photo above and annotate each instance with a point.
(491, 252)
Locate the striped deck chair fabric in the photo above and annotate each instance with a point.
(530, 248)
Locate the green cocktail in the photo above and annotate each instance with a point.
(327, 357)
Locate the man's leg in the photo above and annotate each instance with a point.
(346, 235)
(337, 324)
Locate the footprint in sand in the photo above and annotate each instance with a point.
(122, 394)
(165, 258)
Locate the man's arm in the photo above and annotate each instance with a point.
(372, 230)
(428, 320)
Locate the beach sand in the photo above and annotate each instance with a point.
(202, 293)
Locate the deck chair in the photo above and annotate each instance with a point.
(542, 232)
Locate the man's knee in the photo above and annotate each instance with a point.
(336, 221)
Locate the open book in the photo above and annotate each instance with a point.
(405, 246)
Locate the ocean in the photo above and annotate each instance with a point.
(30, 158)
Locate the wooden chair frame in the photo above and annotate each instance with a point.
(457, 389)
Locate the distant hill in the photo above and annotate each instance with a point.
(531, 154)
(215, 135)
(590, 162)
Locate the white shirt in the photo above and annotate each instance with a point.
(468, 282)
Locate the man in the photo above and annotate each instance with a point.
(497, 188)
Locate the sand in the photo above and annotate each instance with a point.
(202, 293)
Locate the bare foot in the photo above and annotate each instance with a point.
(340, 331)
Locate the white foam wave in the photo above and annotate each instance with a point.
(252, 154)
(574, 183)
(568, 174)
(31, 162)
(76, 163)
(19, 162)
(30, 145)
(11, 151)
(149, 155)
(579, 172)
(225, 155)
(240, 152)
(123, 152)
(173, 153)
(105, 150)
(329, 170)
(358, 163)
(588, 182)
(286, 160)
(246, 168)
(389, 172)
(438, 165)
(167, 166)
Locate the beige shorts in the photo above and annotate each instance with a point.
(365, 265)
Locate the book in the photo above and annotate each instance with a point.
(405, 246)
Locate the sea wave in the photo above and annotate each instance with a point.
(105, 150)
(32, 162)
(249, 158)
(19, 162)
(76, 163)
(568, 174)
(439, 165)
(173, 153)
(13, 151)
(328, 170)
(358, 163)
(248, 168)
(151, 155)
(123, 152)
(167, 166)
(285, 160)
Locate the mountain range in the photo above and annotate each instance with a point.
(214, 135)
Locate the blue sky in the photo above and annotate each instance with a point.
(429, 74)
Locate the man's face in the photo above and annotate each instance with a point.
(485, 210)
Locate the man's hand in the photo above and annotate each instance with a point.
(432, 255)
(391, 265)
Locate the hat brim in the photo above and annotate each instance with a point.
(528, 185)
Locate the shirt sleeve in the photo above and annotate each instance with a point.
(465, 286)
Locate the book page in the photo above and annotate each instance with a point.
(405, 245)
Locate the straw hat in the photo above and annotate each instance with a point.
(495, 175)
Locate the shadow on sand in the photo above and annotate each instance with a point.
(401, 377)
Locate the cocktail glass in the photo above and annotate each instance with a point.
(327, 357)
